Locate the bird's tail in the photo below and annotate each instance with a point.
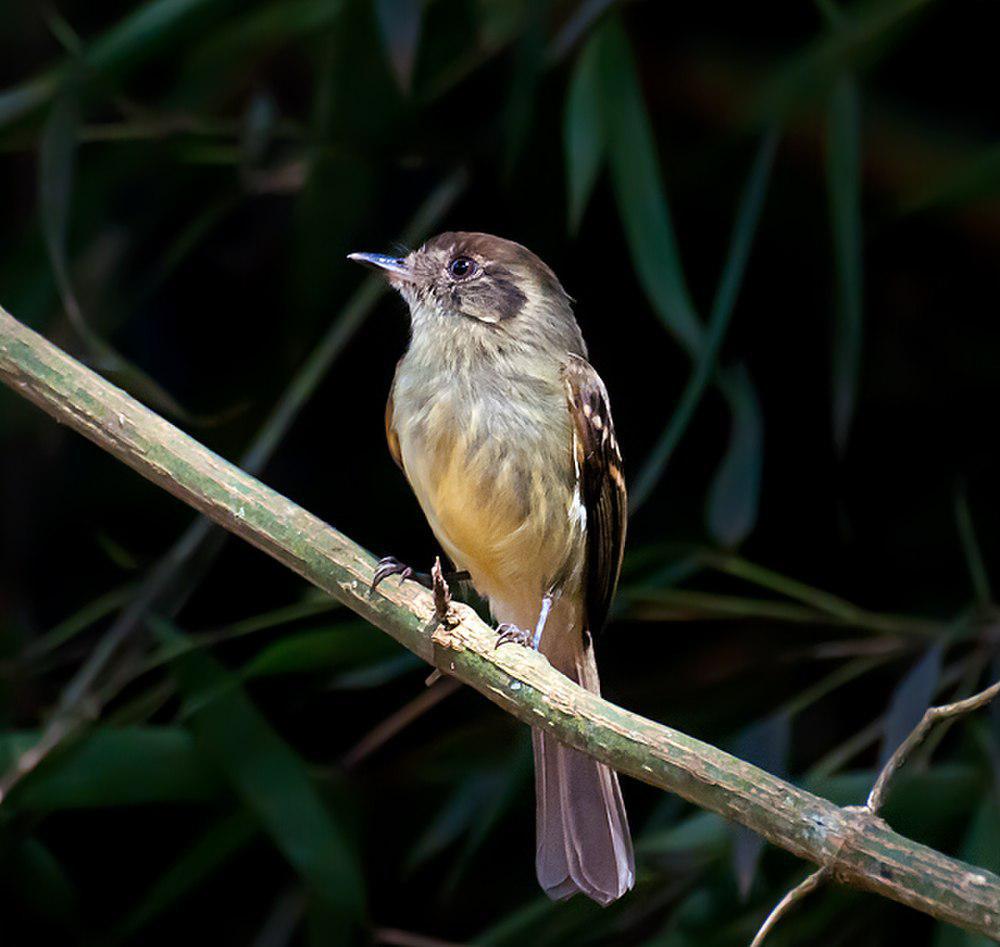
(583, 841)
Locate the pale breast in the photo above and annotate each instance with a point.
(492, 467)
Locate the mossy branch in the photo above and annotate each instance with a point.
(854, 846)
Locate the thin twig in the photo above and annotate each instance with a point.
(919, 733)
(800, 891)
(400, 719)
(876, 797)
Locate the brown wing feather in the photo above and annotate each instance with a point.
(392, 438)
(602, 486)
(390, 433)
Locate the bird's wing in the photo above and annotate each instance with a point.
(391, 436)
(601, 483)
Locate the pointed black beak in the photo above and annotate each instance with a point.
(393, 265)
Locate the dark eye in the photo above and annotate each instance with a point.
(461, 267)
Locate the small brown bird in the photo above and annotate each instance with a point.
(504, 432)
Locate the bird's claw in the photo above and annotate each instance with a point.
(509, 633)
(390, 565)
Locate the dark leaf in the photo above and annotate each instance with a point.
(583, 130)
(747, 216)
(213, 849)
(912, 696)
(642, 202)
(576, 26)
(399, 22)
(735, 491)
(270, 777)
(114, 767)
(523, 91)
(843, 169)
(764, 744)
(350, 646)
(40, 883)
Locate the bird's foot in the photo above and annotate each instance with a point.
(509, 633)
(390, 565)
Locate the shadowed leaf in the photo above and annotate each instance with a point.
(399, 23)
(269, 776)
(843, 169)
(114, 767)
(30, 871)
(912, 696)
(765, 744)
(213, 849)
(583, 130)
(745, 226)
(347, 647)
(735, 491)
(642, 202)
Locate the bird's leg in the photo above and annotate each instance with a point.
(508, 633)
(390, 565)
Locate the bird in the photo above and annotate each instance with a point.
(503, 430)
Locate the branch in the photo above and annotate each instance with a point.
(876, 797)
(857, 848)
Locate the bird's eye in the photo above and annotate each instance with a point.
(461, 267)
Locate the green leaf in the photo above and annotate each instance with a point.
(269, 776)
(124, 767)
(911, 697)
(735, 491)
(843, 169)
(764, 744)
(653, 247)
(641, 199)
(33, 874)
(583, 130)
(213, 849)
(868, 28)
(747, 216)
(399, 23)
(346, 647)
(57, 166)
(150, 25)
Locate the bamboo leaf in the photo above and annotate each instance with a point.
(843, 169)
(269, 776)
(747, 216)
(399, 23)
(734, 495)
(114, 767)
(765, 744)
(641, 199)
(214, 848)
(345, 647)
(583, 130)
(30, 871)
(912, 696)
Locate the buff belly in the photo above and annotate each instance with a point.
(498, 513)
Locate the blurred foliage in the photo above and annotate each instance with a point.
(782, 231)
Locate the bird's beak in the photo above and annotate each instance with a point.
(394, 266)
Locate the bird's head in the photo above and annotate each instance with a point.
(475, 283)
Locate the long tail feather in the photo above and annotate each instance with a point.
(583, 841)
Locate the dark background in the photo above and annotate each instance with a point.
(198, 170)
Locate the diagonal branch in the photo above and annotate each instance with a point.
(856, 847)
(873, 805)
